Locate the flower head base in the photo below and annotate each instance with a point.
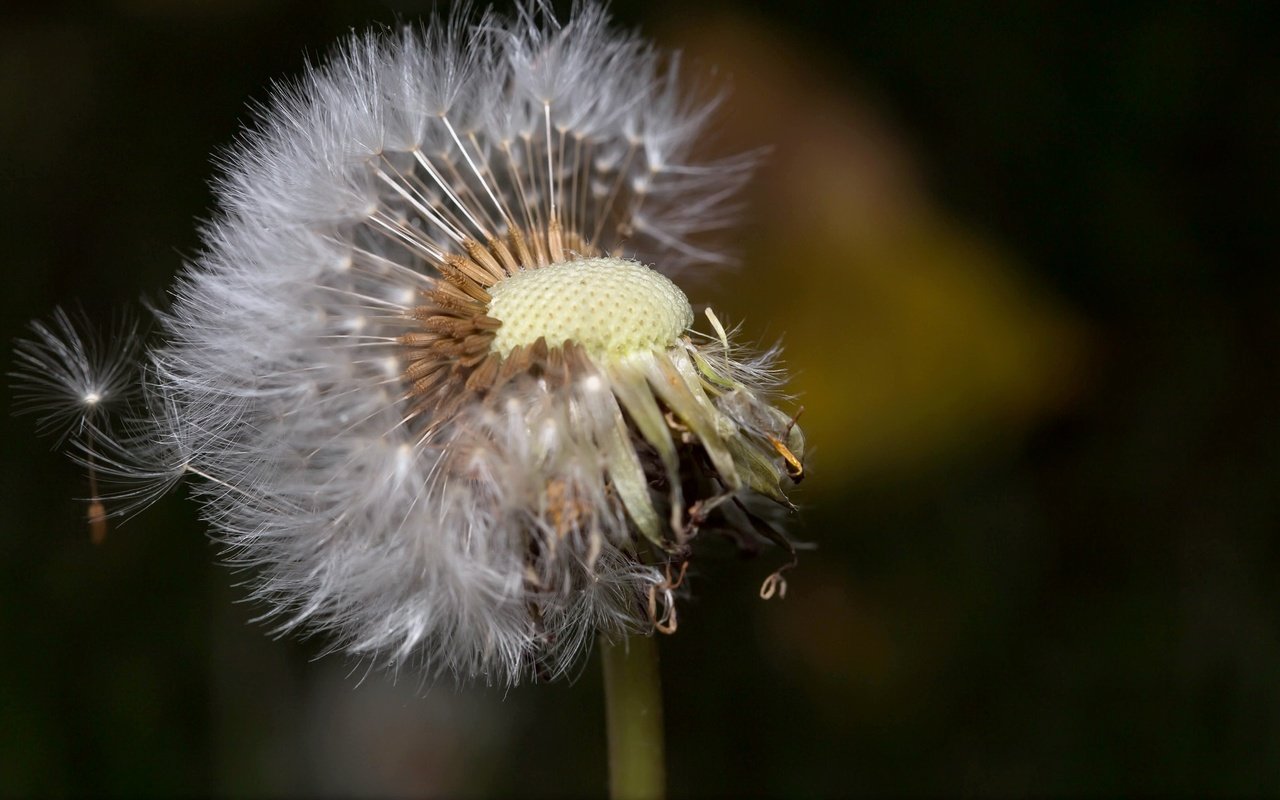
(429, 385)
(612, 307)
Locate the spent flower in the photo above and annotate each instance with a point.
(431, 373)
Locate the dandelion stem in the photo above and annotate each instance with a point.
(633, 712)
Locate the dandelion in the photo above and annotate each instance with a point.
(431, 374)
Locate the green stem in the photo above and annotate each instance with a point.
(633, 711)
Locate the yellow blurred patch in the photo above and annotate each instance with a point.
(909, 335)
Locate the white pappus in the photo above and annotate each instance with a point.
(431, 375)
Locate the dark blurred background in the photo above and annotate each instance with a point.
(1022, 258)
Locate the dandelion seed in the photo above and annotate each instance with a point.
(433, 376)
(66, 376)
(70, 379)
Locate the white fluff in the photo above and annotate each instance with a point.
(280, 381)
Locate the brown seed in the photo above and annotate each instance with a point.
(484, 259)
(451, 326)
(451, 348)
(451, 298)
(555, 360)
(500, 250)
(417, 339)
(484, 375)
(463, 283)
(470, 269)
(477, 343)
(555, 242)
(522, 249)
(428, 384)
(97, 518)
(423, 367)
(440, 302)
(538, 350)
(517, 361)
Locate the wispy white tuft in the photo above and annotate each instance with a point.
(68, 376)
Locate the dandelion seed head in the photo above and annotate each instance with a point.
(432, 375)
